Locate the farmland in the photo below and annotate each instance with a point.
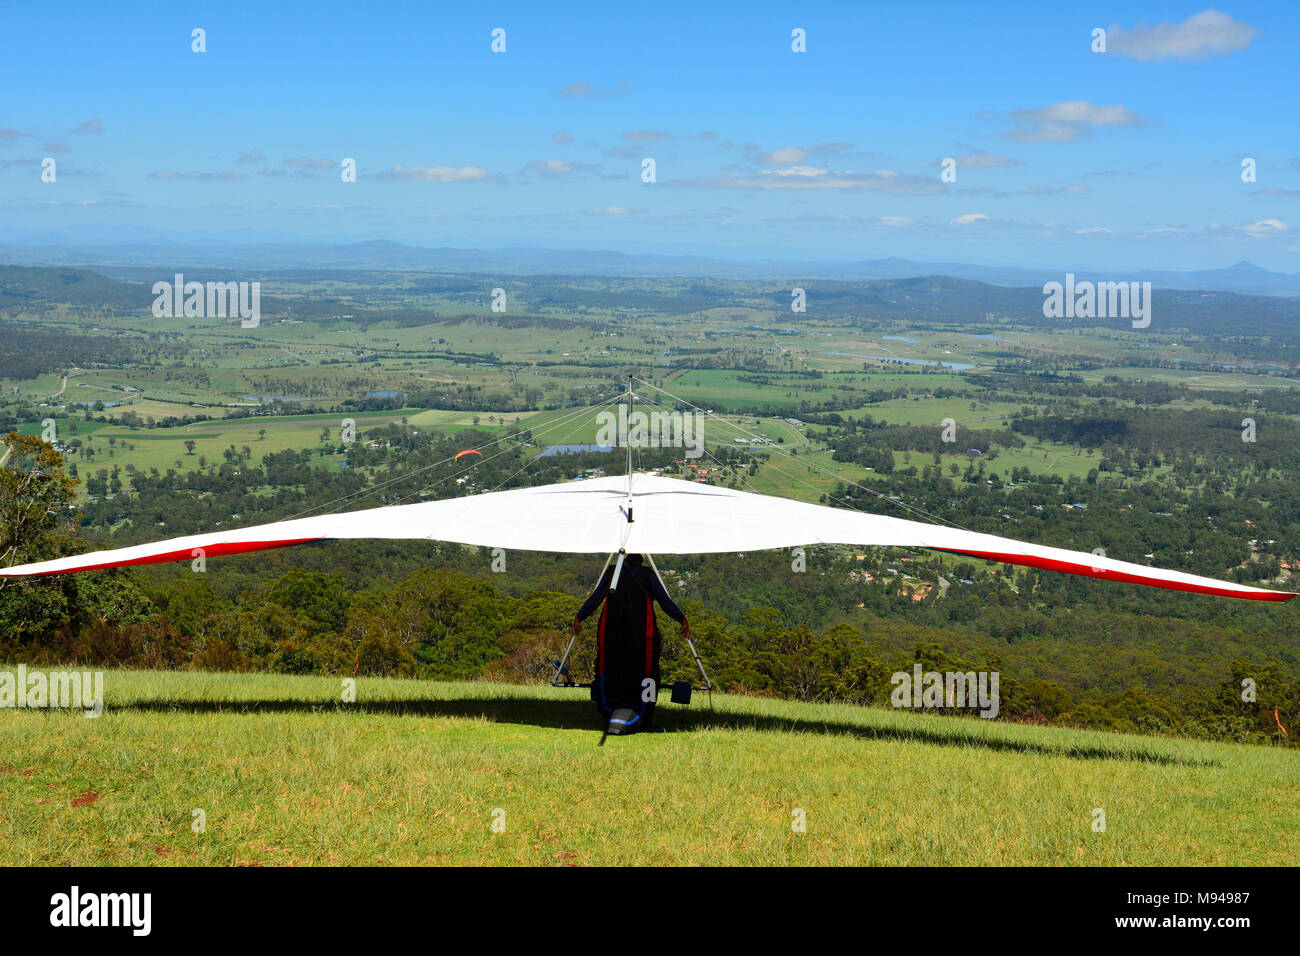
(1172, 445)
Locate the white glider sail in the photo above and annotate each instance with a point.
(645, 513)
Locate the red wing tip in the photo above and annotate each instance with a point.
(185, 554)
(1050, 564)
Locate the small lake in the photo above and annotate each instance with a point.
(955, 366)
(282, 398)
(552, 450)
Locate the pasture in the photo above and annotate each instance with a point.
(416, 772)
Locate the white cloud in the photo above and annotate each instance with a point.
(787, 156)
(816, 177)
(1199, 37)
(1093, 231)
(550, 168)
(304, 162)
(646, 135)
(436, 174)
(1081, 111)
(111, 202)
(796, 171)
(1263, 228)
(555, 168)
(969, 219)
(1068, 120)
(91, 126)
(625, 151)
(562, 137)
(797, 155)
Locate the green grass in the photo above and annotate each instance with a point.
(162, 448)
(412, 772)
(1190, 378)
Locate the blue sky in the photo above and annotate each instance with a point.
(1064, 157)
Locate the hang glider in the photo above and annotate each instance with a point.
(645, 513)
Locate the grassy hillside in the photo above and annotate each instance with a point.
(413, 771)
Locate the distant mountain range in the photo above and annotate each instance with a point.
(949, 302)
(384, 255)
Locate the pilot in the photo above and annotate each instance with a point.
(628, 644)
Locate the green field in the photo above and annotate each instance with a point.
(416, 772)
(163, 448)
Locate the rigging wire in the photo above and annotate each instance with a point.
(936, 519)
(570, 434)
(364, 493)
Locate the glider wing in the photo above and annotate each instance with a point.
(660, 516)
